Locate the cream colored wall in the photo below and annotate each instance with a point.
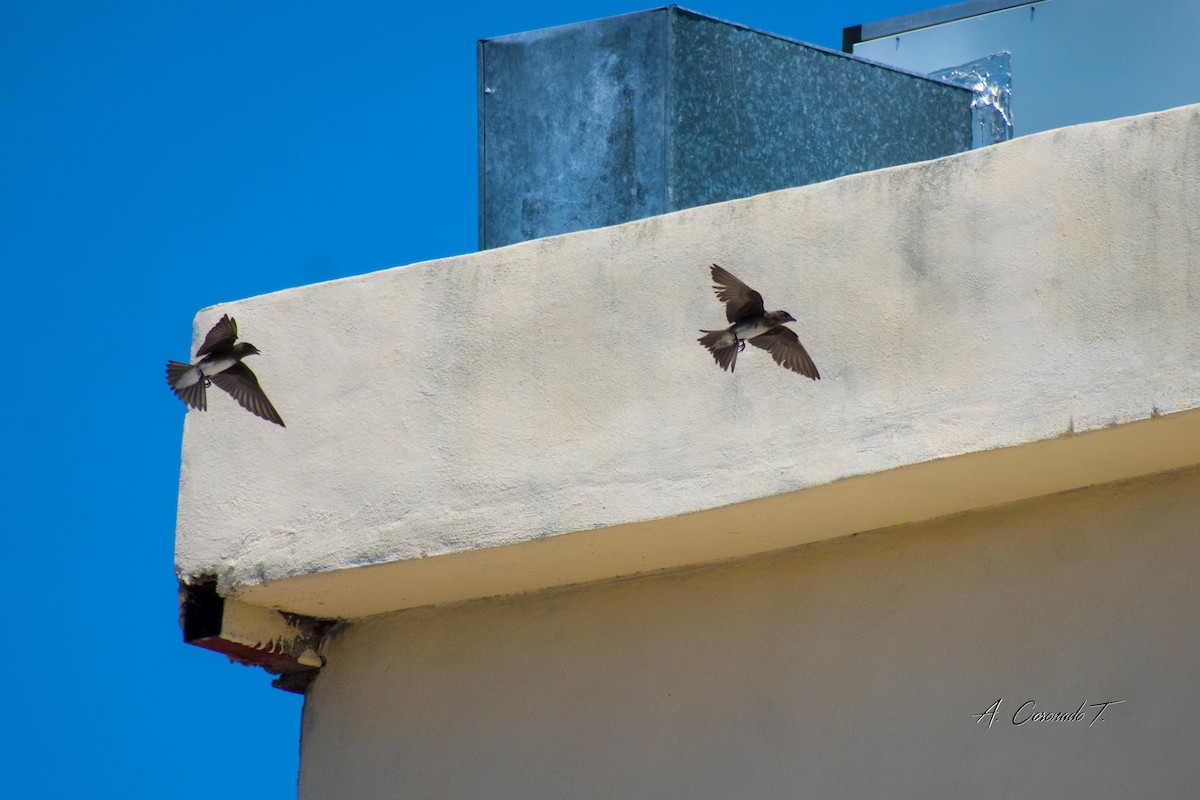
(499, 422)
(844, 669)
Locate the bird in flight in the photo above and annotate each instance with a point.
(220, 362)
(765, 329)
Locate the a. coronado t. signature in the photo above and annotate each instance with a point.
(1027, 712)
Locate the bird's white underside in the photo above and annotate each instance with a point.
(750, 331)
(206, 367)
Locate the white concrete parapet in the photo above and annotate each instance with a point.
(1005, 323)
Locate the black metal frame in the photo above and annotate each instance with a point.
(924, 19)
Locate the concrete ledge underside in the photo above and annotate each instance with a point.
(1001, 324)
(905, 495)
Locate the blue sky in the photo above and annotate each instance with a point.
(160, 157)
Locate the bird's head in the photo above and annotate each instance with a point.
(780, 317)
(243, 349)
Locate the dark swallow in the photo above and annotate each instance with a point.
(220, 362)
(765, 329)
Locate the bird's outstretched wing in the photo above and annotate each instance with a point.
(223, 333)
(740, 300)
(242, 385)
(784, 346)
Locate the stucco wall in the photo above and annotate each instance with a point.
(553, 391)
(850, 668)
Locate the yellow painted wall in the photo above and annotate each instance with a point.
(850, 668)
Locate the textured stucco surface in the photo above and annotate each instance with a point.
(1022, 293)
(854, 668)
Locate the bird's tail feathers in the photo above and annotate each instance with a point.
(724, 354)
(192, 393)
(175, 371)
